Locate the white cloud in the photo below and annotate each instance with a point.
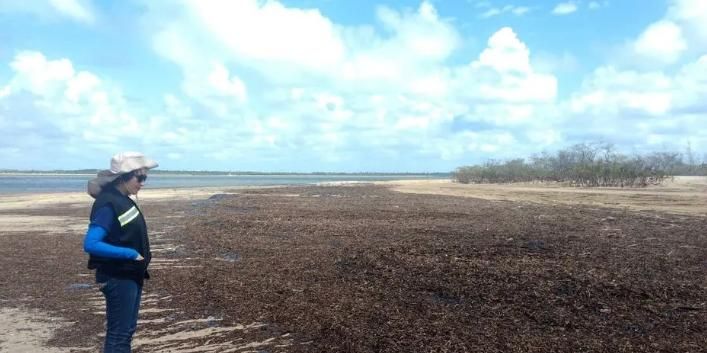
(687, 10)
(270, 32)
(676, 38)
(627, 106)
(58, 107)
(499, 144)
(77, 10)
(402, 61)
(544, 138)
(691, 15)
(610, 91)
(691, 81)
(565, 8)
(389, 87)
(505, 53)
(595, 5)
(495, 11)
(503, 72)
(226, 85)
(520, 10)
(288, 45)
(556, 63)
(662, 41)
(422, 34)
(61, 111)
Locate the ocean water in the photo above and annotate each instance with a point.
(12, 184)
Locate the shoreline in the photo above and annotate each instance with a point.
(274, 181)
(196, 174)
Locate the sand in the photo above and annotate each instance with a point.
(683, 195)
(27, 331)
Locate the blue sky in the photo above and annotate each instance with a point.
(349, 86)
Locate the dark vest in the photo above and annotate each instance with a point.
(129, 230)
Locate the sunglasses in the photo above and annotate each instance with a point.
(141, 178)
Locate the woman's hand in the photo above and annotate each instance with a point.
(139, 258)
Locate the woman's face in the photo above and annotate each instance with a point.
(136, 182)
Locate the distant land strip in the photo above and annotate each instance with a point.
(223, 173)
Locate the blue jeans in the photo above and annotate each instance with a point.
(122, 306)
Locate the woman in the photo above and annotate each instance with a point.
(117, 244)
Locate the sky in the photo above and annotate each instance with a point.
(346, 86)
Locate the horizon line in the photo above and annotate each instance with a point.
(164, 171)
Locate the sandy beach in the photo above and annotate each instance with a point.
(319, 268)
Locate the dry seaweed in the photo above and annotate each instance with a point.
(363, 269)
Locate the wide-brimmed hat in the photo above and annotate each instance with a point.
(121, 163)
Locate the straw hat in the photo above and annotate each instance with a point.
(121, 163)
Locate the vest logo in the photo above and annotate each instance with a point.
(128, 216)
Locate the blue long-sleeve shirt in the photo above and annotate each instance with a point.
(94, 243)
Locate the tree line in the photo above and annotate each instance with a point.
(588, 165)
